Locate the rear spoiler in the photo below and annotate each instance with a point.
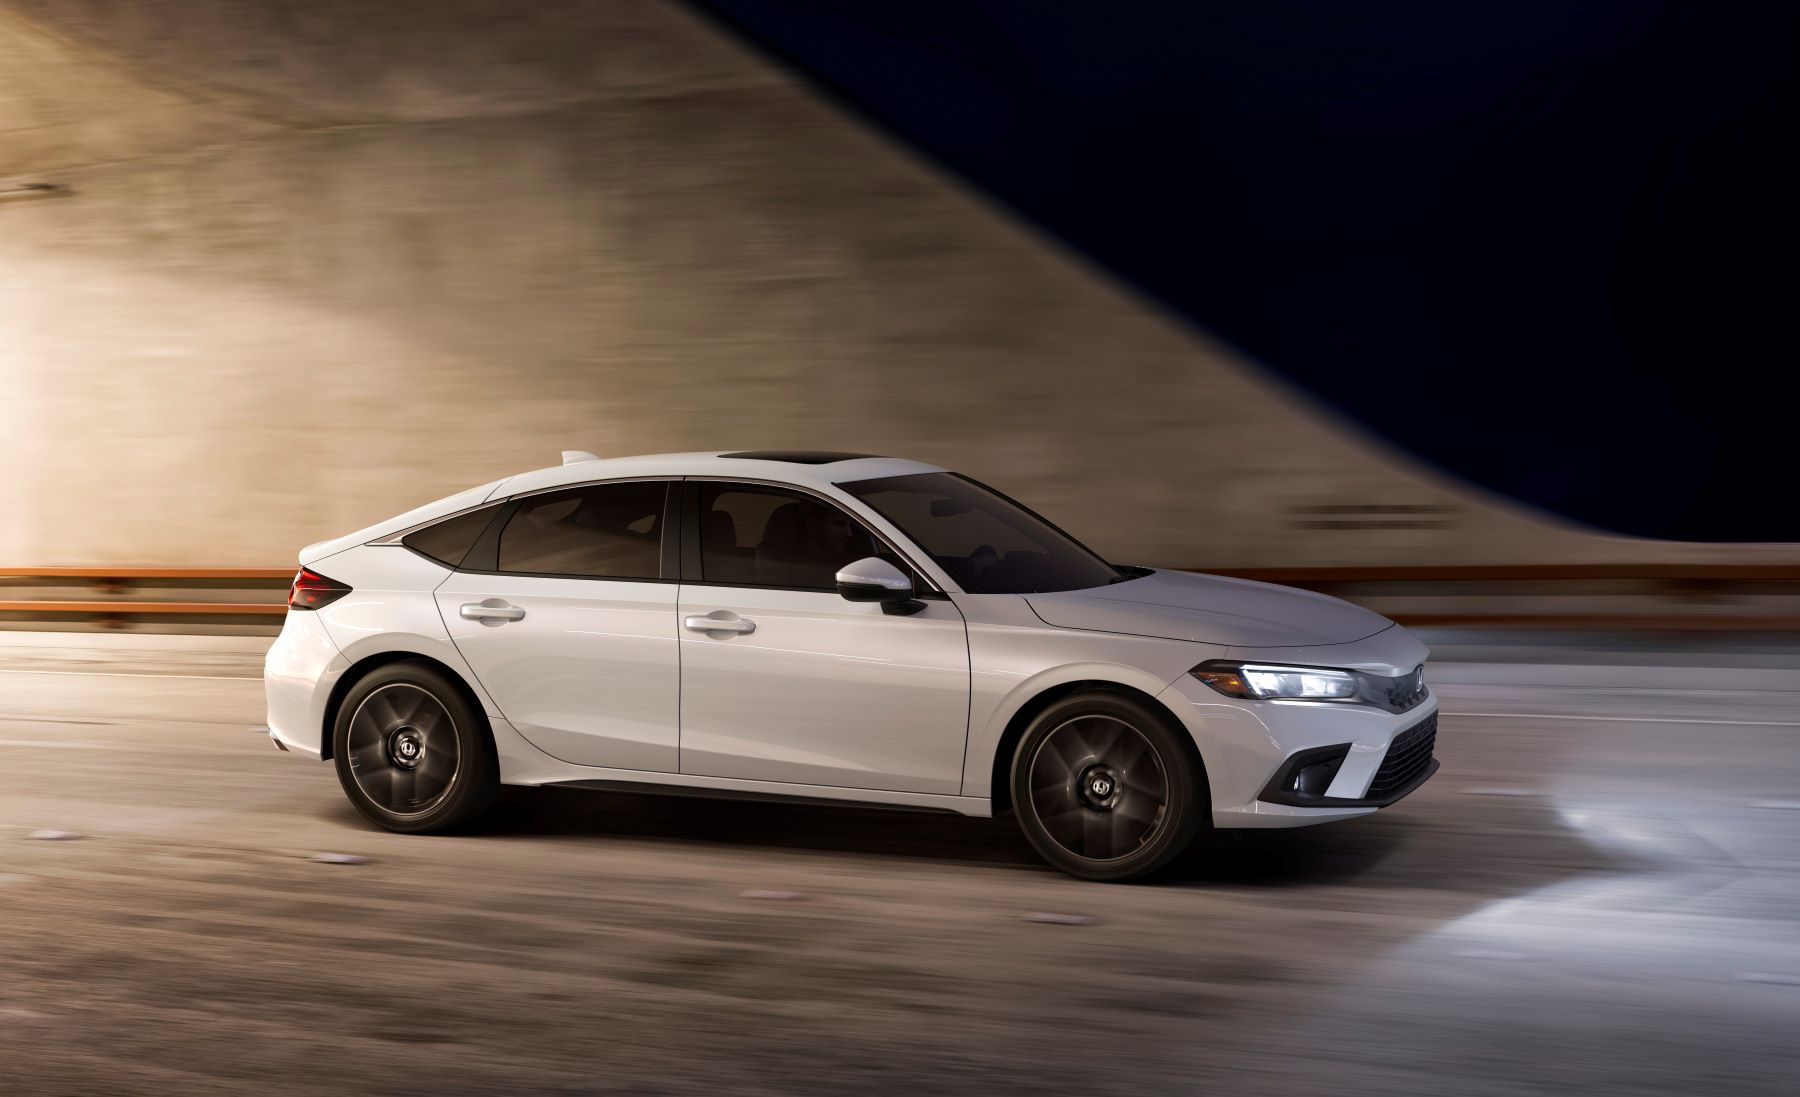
(462, 500)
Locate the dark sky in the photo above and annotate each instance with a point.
(1545, 245)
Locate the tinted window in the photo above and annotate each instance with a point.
(766, 537)
(450, 540)
(607, 531)
(988, 543)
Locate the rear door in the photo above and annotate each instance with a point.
(565, 610)
(796, 684)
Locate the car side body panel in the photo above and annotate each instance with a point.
(589, 673)
(824, 691)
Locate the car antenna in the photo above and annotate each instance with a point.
(576, 456)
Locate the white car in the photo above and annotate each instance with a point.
(832, 627)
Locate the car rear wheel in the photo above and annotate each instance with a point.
(1104, 789)
(412, 753)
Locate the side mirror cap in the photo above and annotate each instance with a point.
(873, 579)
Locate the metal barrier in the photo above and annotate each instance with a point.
(112, 612)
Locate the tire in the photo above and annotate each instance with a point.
(414, 756)
(1105, 788)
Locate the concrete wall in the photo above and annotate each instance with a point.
(317, 263)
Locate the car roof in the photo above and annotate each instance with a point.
(807, 468)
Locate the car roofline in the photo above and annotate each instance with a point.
(581, 468)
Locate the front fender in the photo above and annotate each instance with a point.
(1010, 666)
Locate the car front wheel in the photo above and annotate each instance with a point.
(1104, 789)
(412, 753)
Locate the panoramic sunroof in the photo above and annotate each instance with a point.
(798, 456)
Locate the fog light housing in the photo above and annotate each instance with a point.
(1314, 779)
(1305, 778)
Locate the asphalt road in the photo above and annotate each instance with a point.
(1599, 894)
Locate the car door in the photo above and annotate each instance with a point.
(784, 680)
(565, 610)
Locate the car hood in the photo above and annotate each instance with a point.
(1210, 609)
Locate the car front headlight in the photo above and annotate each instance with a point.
(1268, 682)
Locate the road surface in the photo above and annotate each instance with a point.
(1599, 893)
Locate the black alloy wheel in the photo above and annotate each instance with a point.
(1104, 789)
(412, 753)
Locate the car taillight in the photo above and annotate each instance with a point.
(312, 590)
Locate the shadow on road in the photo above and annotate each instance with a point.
(579, 813)
(1490, 848)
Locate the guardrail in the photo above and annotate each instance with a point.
(112, 612)
(1655, 584)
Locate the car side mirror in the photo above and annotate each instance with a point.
(873, 579)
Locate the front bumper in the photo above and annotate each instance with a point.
(1308, 778)
(1255, 750)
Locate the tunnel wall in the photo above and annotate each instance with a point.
(314, 264)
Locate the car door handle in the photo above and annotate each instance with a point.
(489, 611)
(718, 624)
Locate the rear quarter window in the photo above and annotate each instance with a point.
(448, 542)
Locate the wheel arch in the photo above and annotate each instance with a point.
(1000, 774)
(367, 665)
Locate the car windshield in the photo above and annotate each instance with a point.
(988, 543)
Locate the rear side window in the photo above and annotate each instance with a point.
(603, 531)
(449, 541)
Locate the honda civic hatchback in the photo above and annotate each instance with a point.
(832, 627)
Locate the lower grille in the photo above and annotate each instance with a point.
(1407, 757)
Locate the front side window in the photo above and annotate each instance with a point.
(602, 531)
(988, 543)
(755, 536)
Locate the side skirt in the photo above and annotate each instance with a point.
(696, 792)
